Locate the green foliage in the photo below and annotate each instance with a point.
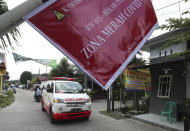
(7, 75)
(136, 61)
(26, 75)
(116, 115)
(9, 99)
(174, 24)
(80, 79)
(13, 34)
(187, 102)
(144, 108)
(90, 93)
(34, 80)
(63, 69)
(3, 7)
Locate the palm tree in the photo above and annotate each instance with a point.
(138, 61)
(13, 34)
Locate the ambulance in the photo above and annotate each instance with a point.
(63, 99)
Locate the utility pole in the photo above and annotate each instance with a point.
(113, 100)
(85, 81)
(14, 17)
(109, 100)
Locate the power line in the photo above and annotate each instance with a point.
(169, 5)
(167, 13)
(173, 12)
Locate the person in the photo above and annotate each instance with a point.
(38, 92)
(52, 85)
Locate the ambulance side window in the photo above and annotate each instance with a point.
(50, 88)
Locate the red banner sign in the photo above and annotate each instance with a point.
(100, 36)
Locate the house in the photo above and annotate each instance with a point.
(2, 71)
(170, 76)
(41, 77)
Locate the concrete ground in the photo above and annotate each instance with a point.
(156, 120)
(25, 115)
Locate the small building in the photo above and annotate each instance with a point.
(2, 71)
(170, 76)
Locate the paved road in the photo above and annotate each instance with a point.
(25, 115)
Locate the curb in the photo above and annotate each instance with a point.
(156, 124)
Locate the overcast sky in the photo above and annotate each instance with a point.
(33, 45)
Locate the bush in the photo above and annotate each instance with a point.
(144, 107)
(9, 99)
(90, 92)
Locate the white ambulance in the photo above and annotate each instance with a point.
(64, 99)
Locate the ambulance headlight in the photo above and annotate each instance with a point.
(57, 100)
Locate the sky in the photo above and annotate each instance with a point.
(33, 45)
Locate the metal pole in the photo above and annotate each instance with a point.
(113, 100)
(110, 96)
(85, 81)
(120, 98)
(14, 17)
(46, 74)
(108, 100)
(92, 85)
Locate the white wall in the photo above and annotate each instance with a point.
(154, 52)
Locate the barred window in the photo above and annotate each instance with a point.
(164, 86)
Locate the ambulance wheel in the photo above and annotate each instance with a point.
(42, 106)
(86, 118)
(52, 120)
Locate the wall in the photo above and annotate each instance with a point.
(155, 50)
(178, 92)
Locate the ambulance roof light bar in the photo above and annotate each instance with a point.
(63, 78)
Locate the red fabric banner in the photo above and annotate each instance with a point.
(100, 36)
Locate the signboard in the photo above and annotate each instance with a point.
(137, 81)
(99, 36)
(48, 62)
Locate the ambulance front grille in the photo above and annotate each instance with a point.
(75, 104)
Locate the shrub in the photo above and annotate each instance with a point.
(9, 99)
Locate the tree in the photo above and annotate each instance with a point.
(178, 24)
(34, 79)
(138, 60)
(13, 34)
(7, 75)
(26, 75)
(63, 69)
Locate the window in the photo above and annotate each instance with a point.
(165, 53)
(160, 54)
(164, 86)
(171, 52)
(68, 87)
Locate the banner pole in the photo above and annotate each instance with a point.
(46, 74)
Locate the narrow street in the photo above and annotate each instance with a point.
(25, 115)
